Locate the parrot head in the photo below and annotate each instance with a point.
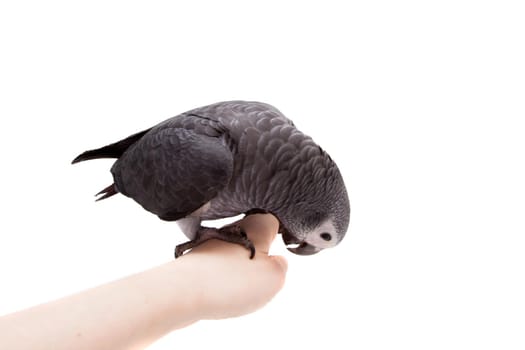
(319, 217)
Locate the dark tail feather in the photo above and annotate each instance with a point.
(108, 192)
(114, 150)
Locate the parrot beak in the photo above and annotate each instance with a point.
(299, 247)
(304, 249)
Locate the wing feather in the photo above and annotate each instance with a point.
(172, 171)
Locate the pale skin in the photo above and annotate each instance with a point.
(215, 280)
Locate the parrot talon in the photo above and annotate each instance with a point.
(232, 234)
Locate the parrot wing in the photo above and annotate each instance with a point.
(172, 171)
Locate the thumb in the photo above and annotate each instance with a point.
(261, 230)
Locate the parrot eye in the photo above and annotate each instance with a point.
(326, 236)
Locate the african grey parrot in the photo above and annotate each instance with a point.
(226, 159)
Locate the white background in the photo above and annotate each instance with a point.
(420, 103)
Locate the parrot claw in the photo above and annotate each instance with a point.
(232, 234)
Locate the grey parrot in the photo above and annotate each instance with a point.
(226, 159)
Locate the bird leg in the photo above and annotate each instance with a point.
(232, 234)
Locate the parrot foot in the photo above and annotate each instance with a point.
(232, 234)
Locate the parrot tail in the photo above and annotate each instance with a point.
(107, 192)
(114, 150)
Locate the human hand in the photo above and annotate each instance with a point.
(226, 282)
(215, 280)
